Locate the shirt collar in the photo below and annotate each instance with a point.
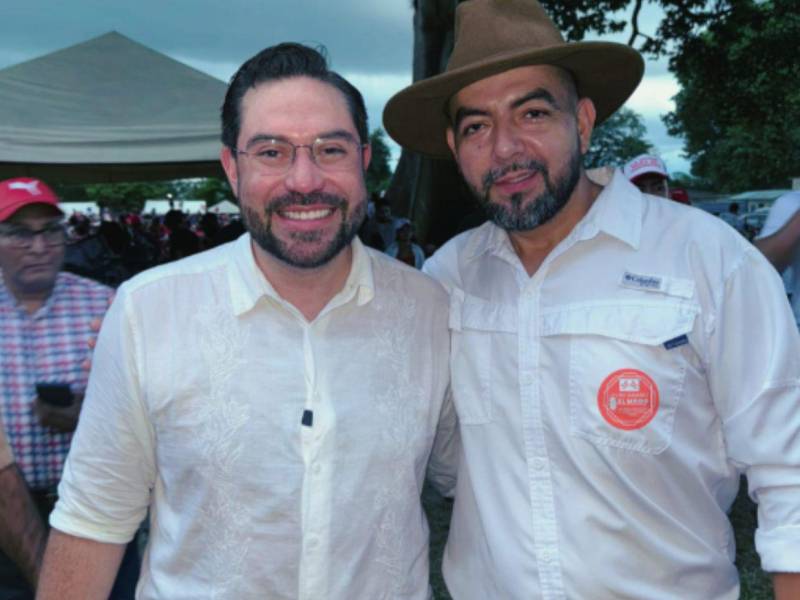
(247, 283)
(617, 211)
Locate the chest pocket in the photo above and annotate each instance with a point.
(627, 369)
(476, 325)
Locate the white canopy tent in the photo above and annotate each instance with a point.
(85, 208)
(108, 109)
(161, 207)
(226, 207)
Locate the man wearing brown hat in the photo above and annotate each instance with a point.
(617, 362)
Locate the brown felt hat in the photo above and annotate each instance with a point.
(492, 36)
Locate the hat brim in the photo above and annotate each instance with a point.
(608, 73)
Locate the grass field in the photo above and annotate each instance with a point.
(755, 584)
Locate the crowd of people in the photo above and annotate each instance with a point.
(588, 373)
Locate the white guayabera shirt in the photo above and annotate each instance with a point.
(609, 404)
(202, 380)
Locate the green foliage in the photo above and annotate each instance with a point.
(617, 140)
(211, 189)
(379, 173)
(679, 20)
(130, 197)
(119, 197)
(690, 182)
(739, 104)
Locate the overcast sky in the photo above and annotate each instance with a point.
(369, 42)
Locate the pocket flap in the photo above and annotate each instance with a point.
(650, 323)
(471, 312)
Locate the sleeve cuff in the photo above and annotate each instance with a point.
(91, 531)
(779, 549)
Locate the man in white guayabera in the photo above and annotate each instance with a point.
(274, 401)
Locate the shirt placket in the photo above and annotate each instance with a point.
(540, 484)
(316, 496)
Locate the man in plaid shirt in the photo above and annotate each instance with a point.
(45, 317)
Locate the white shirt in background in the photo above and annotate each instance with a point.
(201, 377)
(609, 404)
(779, 214)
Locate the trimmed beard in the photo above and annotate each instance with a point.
(260, 229)
(540, 210)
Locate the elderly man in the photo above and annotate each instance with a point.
(45, 318)
(275, 400)
(617, 361)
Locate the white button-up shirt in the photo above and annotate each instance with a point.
(609, 403)
(201, 380)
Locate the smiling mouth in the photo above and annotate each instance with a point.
(307, 215)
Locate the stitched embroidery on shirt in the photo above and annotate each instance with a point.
(628, 399)
(225, 516)
(397, 405)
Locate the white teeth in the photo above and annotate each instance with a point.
(307, 215)
(519, 178)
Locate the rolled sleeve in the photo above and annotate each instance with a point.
(110, 469)
(755, 380)
(443, 464)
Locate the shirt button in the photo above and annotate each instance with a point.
(316, 469)
(547, 557)
(539, 464)
(313, 542)
(526, 378)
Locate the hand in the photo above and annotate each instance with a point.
(92, 341)
(60, 418)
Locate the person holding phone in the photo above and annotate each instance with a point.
(45, 319)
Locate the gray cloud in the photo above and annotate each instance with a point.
(369, 42)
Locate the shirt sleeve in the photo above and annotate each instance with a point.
(6, 458)
(780, 213)
(754, 376)
(443, 464)
(110, 470)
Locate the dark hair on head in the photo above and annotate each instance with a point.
(283, 62)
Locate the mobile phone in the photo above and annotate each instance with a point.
(55, 394)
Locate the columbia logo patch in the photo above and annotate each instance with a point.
(644, 282)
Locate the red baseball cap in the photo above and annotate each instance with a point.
(22, 191)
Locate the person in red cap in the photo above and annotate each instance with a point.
(649, 174)
(618, 361)
(45, 317)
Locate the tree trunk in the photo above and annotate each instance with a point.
(429, 191)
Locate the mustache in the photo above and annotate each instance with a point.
(493, 175)
(298, 199)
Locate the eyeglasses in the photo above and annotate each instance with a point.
(21, 237)
(276, 157)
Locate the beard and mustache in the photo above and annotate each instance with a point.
(517, 216)
(302, 250)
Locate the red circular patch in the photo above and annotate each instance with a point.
(628, 399)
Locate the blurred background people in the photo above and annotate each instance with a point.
(779, 241)
(649, 174)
